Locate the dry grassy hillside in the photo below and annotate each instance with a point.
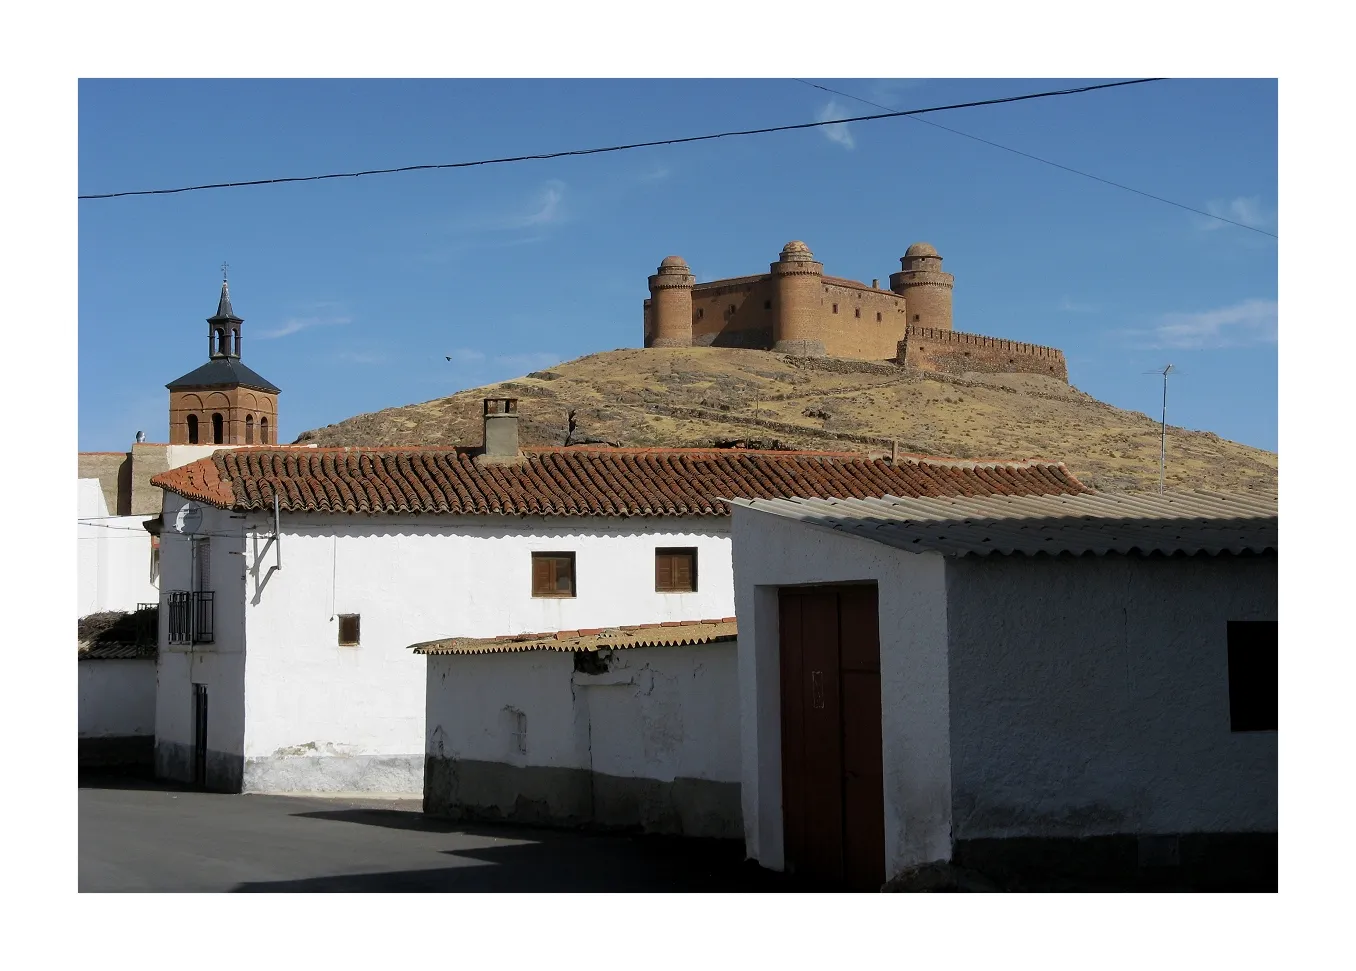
(721, 396)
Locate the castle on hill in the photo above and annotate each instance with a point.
(796, 309)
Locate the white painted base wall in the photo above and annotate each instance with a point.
(117, 698)
(1090, 697)
(664, 714)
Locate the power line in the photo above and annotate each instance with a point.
(622, 148)
(1046, 161)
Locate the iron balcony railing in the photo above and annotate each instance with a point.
(190, 617)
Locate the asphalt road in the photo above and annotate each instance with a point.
(139, 836)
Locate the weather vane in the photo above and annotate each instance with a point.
(224, 265)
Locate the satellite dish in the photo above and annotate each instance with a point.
(188, 520)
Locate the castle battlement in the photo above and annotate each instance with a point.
(796, 309)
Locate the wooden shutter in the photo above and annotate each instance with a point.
(675, 570)
(543, 578)
(683, 572)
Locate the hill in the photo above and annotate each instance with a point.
(729, 397)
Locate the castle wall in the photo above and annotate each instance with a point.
(114, 472)
(861, 323)
(734, 313)
(952, 352)
(742, 313)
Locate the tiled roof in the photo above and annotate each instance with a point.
(667, 634)
(1188, 522)
(224, 372)
(115, 652)
(585, 481)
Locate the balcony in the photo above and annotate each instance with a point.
(190, 616)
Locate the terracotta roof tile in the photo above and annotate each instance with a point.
(667, 634)
(582, 481)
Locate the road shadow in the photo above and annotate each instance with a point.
(549, 860)
(91, 778)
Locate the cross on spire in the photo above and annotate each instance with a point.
(224, 265)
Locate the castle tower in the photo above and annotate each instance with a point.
(671, 304)
(925, 288)
(797, 282)
(223, 402)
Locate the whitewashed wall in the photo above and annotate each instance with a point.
(115, 570)
(324, 717)
(1090, 696)
(219, 665)
(770, 551)
(653, 742)
(117, 698)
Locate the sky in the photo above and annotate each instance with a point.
(354, 292)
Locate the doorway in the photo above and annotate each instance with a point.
(833, 794)
(200, 735)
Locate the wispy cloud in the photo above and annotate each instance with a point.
(293, 325)
(836, 133)
(657, 174)
(886, 91)
(1243, 324)
(1247, 210)
(546, 207)
(1074, 307)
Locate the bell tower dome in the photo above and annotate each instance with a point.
(223, 402)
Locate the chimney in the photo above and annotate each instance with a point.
(875, 284)
(501, 429)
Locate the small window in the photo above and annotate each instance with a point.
(916, 317)
(857, 312)
(701, 312)
(878, 316)
(553, 575)
(835, 308)
(1252, 675)
(263, 431)
(193, 429)
(348, 630)
(675, 570)
(249, 429)
(218, 429)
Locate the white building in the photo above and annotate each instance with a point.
(117, 705)
(993, 680)
(118, 512)
(291, 630)
(634, 728)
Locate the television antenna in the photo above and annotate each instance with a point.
(1163, 447)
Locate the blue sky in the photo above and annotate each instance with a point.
(354, 291)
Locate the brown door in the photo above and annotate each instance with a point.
(832, 788)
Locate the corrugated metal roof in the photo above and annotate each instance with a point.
(1187, 522)
(668, 634)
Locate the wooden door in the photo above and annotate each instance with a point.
(200, 735)
(832, 786)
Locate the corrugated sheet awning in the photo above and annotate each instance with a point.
(1189, 523)
(668, 634)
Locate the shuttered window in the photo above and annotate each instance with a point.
(553, 575)
(202, 563)
(675, 570)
